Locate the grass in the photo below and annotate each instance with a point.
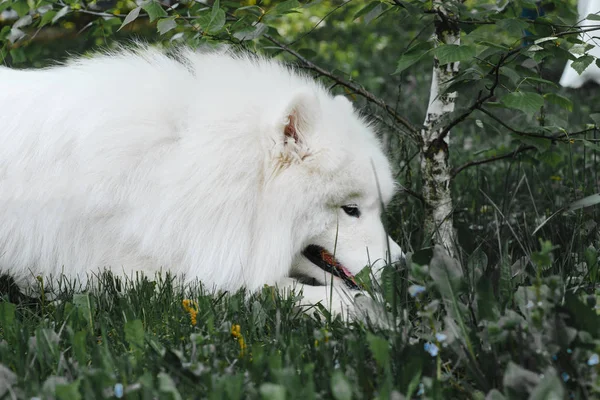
(458, 333)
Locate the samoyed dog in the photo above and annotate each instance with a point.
(227, 168)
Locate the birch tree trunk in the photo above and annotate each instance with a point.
(434, 152)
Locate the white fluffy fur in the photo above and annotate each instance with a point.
(136, 161)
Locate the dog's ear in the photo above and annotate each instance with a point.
(301, 117)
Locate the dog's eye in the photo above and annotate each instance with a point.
(352, 210)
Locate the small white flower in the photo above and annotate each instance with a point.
(414, 290)
(593, 360)
(529, 304)
(440, 337)
(431, 348)
(118, 390)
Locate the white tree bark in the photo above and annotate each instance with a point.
(435, 167)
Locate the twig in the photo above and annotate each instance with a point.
(319, 23)
(413, 194)
(456, 171)
(389, 126)
(352, 86)
(481, 100)
(553, 137)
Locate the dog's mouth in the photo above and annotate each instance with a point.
(328, 263)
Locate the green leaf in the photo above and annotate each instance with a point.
(47, 18)
(584, 317)
(487, 306)
(285, 7)
(363, 278)
(18, 55)
(134, 333)
(154, 10)
(511, 74)
(545, 39)
(528, 102)
(251, 32)
(20, 7)
(581, 203)
(80, 348)
(340, 388)
(446, 273)
(540, 144)
(164, 25)
(512, 25)
(380, 349)
(585, 202)
(448, 53)
(518, 380)
(478, 260)
(61, 13)
(591, 145)
(596, 118)
(83, 305)
(411, 56)
(23, 22)
(551, 158)
(68, 391)
(559, 100)
(593, 17)
(549, 388)
(47, 345)
(133, 14)
(7, 379)
(7, 314)
(366, 9)
(167, 385)
(591, 259)
(272, 391)
(213, 22)
(539, 80)
(494, 394)
(498, 46)
(582, 63)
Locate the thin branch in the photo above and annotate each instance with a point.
(413, 194)
(553, 137)
(481, 100)
(522, 149)
(350, 85)
(391, 127)
(319, 23)
(496, 72)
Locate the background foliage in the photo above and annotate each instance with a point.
(514, 318)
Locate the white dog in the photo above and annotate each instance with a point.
(228, 168)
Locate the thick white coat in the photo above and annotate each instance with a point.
(137, 161)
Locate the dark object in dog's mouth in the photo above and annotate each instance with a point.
(327, 262)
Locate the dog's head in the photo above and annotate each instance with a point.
(328, 164)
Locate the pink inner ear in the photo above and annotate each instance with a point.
(290, 129)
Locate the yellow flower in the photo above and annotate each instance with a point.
(236, 332)
(191, 307)
(556, 178)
